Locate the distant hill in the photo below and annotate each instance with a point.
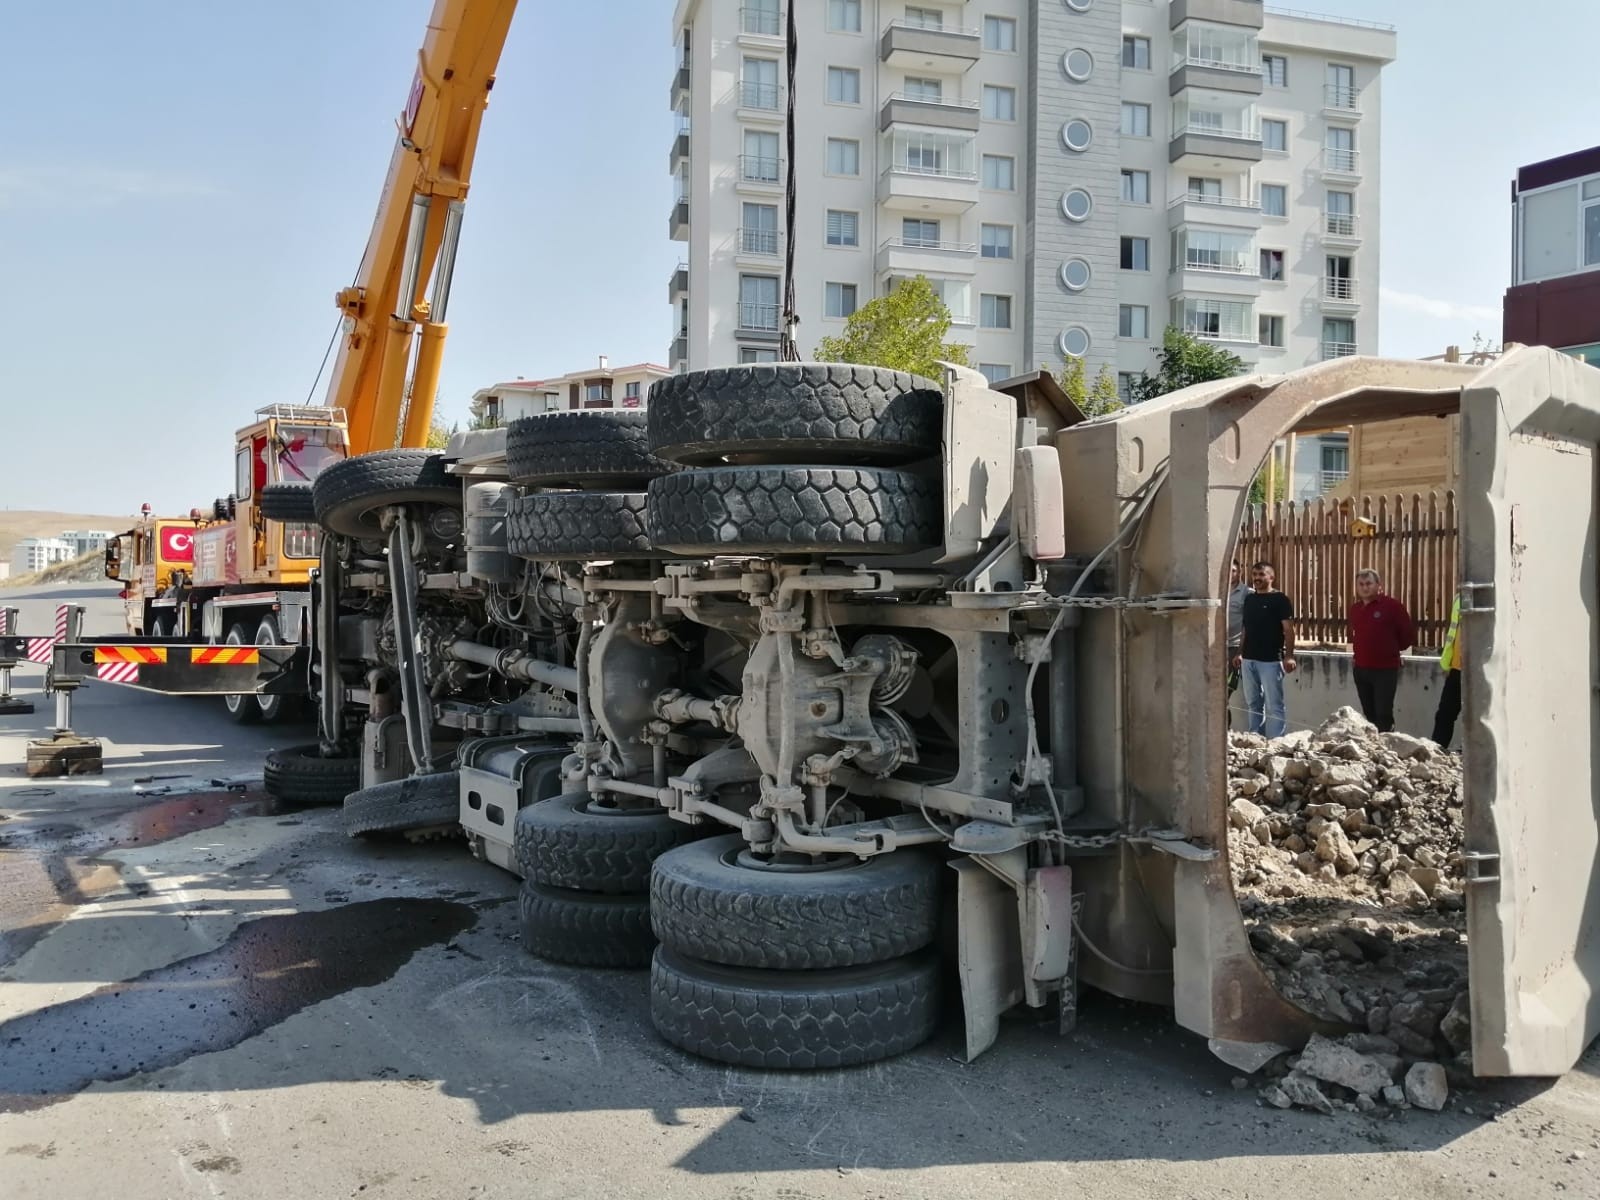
(19, 523)
(91, 568)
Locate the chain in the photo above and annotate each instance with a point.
(1083, 841)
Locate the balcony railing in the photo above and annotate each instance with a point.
(1338, 96)
(1337, 350)
(1338, 287)
(755, 168)
(758, 95)
(758, 241)
(1316, 16)
(915, 243)
(1332, 478)
(1200, 333)
(1338, 161)
(957, 30)
(1339, 224)
(942, 172)
(758, 316)
(946, 101)
(1215, 64)
(1242, 202)
(1248, 132)
(763, 22)
(1219, 265)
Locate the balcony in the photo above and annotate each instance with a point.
(760, 173)
(1196, 147)
(1237, 279)
(762, 25)
(678, 221)
(1340, 228)
(918, 48)
(759, 101)
(1337, 350)
(910, 257)
(758, 243)
(679, 351)
(1341, 103)
(1340, 164)
(758, 322)
(960, 115)
(679, 151)
(677, 283)
(1339, 293)
(1229, 339)
(909, 188)
(1228, 212)
(1225, 68)
(680, 85)
(1247, 13)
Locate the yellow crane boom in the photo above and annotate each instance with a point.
(389, 315)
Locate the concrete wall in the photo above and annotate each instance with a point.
(1324, 682)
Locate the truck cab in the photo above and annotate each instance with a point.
(153, 561)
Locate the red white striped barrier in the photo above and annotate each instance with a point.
(40, 650)
(122, 672)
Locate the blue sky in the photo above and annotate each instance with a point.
(189, 182)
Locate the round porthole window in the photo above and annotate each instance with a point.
(1077, 64)
(1079, 5)
(1076, 205)
(1075, 274)
(1074, 341)
(1076, 135)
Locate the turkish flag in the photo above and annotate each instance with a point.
(177, 544)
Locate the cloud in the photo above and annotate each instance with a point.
(1442, 310)
(96, 187)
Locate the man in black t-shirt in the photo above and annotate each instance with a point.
(1266, 653)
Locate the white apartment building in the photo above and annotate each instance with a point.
(1072, 175)
(35, 554)
(600, 386)
(86, 541)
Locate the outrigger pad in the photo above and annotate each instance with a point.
(60, 756)
(10, 706)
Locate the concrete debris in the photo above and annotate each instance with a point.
(1346, 851)
(1426, 1087)
(1303, 1092)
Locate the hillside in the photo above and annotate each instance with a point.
(19, 523)
(91, 568)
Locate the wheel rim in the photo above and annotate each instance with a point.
(745, 859)
(267, 635)
(236, 701)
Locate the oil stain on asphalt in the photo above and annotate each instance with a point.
(268, 970)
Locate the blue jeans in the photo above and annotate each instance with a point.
(1263, 697)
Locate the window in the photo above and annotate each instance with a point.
(758, 83)
(1135, 254)
(844, 228)
(844, 16)
(839, 300)
(1000, 34)
(1275, 135)
(1272, 265)
(758, 302)
(1275, 70)
(630, 395)
(999, 173)
(928, 152)
(1212, 250)
(1338, 337)
(1340, 151)
(760, 164)
(844, 85)
(994, 312)
(929, 91)
(1203, 189)
(758, 232)
(762, 17)
(1334, 450)
(925, 18)
(597, 395)
(1591, 224)
(1269, 331)
(844, 156)
(1274, 199)
(996, 241)
(1341, 86)
(1136, 187)
(999, 103)
(917, 231)
(995, 372)
(956, 295)
(1226, 320)
(1133, 321)
(755, 354)
(1136, 53)
(1125, 385)
(1135, 119)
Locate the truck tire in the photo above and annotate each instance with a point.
(793, 510)
(348, 495)
(795, 413)
(585, 929)
(608, 451)
(273, 708)
(243, 708)
(572, 841)
(706, 902)
(797, 1020)
(401, 805)
(301, 775)
(546, 526)
(287, 502)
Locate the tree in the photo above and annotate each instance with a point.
(1074, 384)
(1185, 361)
(1092, 401)
(904, 331)
(439, 434)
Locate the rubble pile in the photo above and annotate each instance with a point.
(1346, 849)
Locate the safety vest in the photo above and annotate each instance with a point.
(1450, 659)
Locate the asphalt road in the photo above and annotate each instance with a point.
(201, 995)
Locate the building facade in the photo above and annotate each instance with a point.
(35, 554)
(86, 541)
(1072, 175)
(601, 386)
(1554, 298)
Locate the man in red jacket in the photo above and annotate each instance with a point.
(1380, 627)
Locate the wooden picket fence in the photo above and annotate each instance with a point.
(1414, 547)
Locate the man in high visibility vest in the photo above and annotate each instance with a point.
(1444, 720)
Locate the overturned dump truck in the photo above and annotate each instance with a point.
(839, 696)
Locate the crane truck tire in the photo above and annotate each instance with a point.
(795, 413)
(575, 841)
(243, 708)
(404, 805)
(795, 1019)
(349, 496)
(273, 708)
(713, 900)
(301, 775)
(287, 502)
(577, 525)
(606, 451)
(585, 929)
(793, 510)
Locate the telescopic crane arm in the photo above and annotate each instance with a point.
(390, 317)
